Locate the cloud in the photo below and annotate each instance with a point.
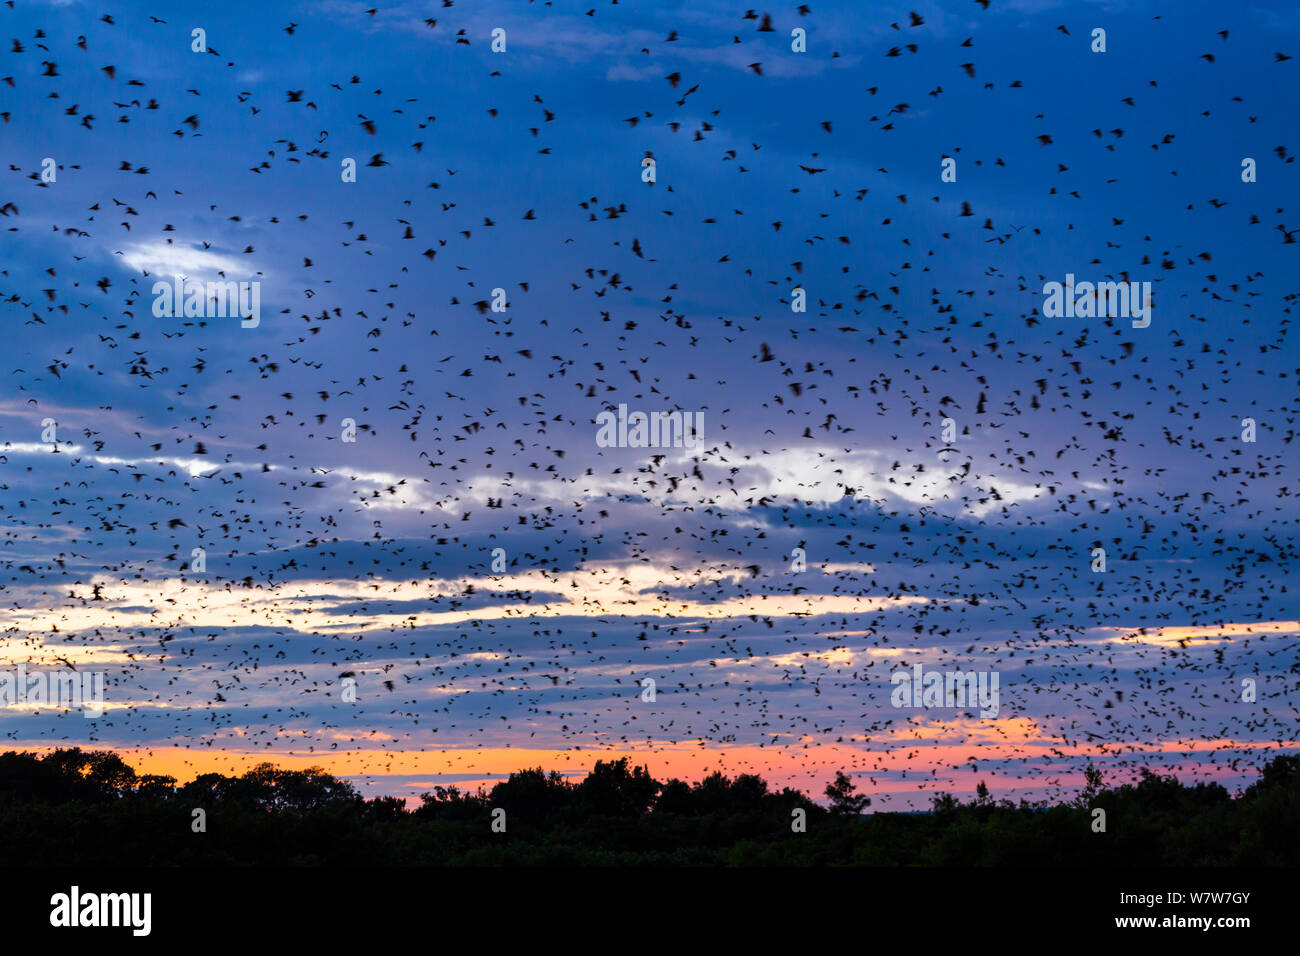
(166, 260)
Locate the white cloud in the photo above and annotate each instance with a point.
(166, 259)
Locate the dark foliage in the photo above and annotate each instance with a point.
(92, 808)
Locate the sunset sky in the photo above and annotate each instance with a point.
(822, 430)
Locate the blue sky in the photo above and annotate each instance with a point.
(373, 557)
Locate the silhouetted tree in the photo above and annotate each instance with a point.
(91, 805)
(612, 789)
(845, 801)
(450, 803)
(267, 787)
(1280, 773)
(533, 794)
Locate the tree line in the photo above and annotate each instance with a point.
(90, 807)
